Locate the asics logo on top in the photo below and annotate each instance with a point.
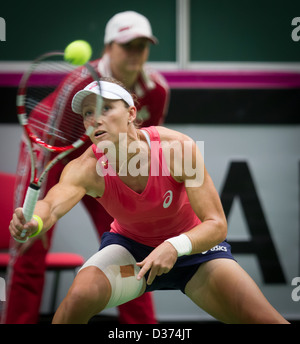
(168, 196)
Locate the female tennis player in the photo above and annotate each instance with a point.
(169, 229)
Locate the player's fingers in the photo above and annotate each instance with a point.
(145, 267)
(17, 223)
(12, 228)
(162, 271)
(152, 275)
(140, 263)
(18, 229)
(15, 231)
(19, 214)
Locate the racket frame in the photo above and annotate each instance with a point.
(33, 190)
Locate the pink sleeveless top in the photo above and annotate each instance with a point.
(160, 212)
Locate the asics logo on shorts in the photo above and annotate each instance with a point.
(168, 196)
(217, 248)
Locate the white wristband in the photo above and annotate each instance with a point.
(182, 244)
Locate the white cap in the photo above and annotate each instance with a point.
(126, 26)
(109, 90)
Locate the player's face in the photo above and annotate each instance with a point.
(129, 57)
(112, 121)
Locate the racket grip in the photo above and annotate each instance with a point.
(31, 198)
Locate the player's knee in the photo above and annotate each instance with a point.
(77, 298)
(120, 269)
(89, 297)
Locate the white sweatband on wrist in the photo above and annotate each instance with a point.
(182, 244)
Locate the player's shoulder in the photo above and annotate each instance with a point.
(167, 134)
(82, 165)
(82, 172)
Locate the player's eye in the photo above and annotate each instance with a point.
(87, 114)
(106, 108)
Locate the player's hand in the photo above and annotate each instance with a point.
(160, 261)
(18, 224)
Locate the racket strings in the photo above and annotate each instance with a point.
(44, 124)
(49, 110)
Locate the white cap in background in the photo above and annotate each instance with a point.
(126, 26)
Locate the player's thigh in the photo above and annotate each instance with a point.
(120, 269)
(224, 290)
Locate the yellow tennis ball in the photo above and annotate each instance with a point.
(78, 52)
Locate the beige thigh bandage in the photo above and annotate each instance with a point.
(120, 267)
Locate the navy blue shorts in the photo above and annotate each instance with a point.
(184, 268)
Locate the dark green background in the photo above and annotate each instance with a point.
(34, 27)
(256, 30)
(232, 30)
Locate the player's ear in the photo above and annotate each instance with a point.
(132, 114)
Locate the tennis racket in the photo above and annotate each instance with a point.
(45, 113)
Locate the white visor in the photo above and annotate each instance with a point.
(109, 90)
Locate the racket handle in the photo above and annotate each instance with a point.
(31, 198)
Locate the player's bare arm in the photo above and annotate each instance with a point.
(78, 178)
(201, 191)
(207, 205)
